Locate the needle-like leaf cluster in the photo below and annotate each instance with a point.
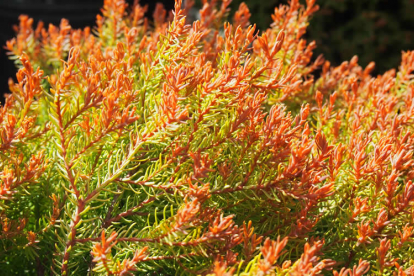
(205, 148)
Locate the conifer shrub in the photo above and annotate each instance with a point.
(205, 148)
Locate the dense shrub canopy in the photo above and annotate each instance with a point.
(167, 148)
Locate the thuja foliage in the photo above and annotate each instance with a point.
(163, 148)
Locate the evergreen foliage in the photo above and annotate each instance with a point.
(167, 148)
